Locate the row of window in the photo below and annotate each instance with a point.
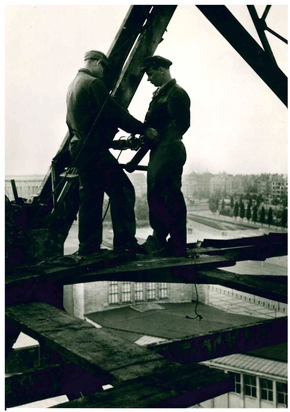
(249, 384)
(131, 292)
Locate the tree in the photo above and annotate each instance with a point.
(223, 205)
(213, 204)
(284, 217)
(262, 215)
(232, 202)
(255, 213)
(248, 213)
(242, 210)
(284, 200)
(260, 199)
(250, 203)
(270, 216)
(241, 201)
(236, 209)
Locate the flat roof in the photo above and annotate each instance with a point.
(247, 364)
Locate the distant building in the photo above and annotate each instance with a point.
(196, 185)
(238, 184)
(190, 185)
(260, 376)
(263, 185)
(221, 184)
(259, 382)
(193, 185)
(27, 186)
(273, 186)
(139, 182)
(278, 186)
(98, 296)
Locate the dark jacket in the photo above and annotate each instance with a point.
(95, 116)
(169, 112)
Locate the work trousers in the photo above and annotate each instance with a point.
(101, 173)
(167, 209)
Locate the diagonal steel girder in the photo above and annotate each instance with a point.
(151, 35)
(230, 28)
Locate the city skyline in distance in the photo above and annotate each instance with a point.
(189, 172)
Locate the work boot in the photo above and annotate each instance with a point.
(153, 247)
(131, 248)
(90, 252)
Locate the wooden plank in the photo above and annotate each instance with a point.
(28, 358)
(26, 286)
(266, 286)
(59, 266)
(259, 248)
(245, 248)
(44, 383)
(171, 388)
(116, 360)
(239, 339)
(172, 270)
(35, 288)
(95, 350)
(260, 241)
(68, 268)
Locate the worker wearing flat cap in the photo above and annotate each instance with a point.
(168, 118)
(93, 118)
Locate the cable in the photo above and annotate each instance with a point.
(109, 201)
(199, 317)
(80, 150)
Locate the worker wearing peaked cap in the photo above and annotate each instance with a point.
(168, 118)
(93, 118)
(97, 55)
(155, 61)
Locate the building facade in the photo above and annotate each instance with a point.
(259, 383)
(81, 299)
(26, 186)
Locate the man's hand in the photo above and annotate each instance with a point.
(134, 143)
(151, 133)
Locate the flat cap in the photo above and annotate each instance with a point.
(96, 55)
(155, 62)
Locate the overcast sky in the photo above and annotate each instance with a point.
(238, 125)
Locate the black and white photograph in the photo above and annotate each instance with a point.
(146, 205)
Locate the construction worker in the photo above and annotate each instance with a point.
(168, 118)
(93, 118)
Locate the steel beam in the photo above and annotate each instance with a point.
(230, 28)
(170, 388)
(266, 286)
(260, 25)
(44, 383)
(146, 44)
(239, 339)
(144, 378)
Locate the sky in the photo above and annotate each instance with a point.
(238, 125)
